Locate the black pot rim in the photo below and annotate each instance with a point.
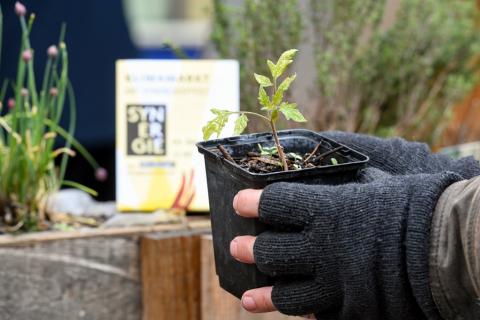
(209, 149)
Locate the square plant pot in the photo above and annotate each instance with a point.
(225, 179)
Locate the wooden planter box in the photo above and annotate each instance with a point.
(161, 272)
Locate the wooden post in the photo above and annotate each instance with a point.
(170, 272)
(218, 304)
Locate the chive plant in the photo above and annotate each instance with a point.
(29, 129)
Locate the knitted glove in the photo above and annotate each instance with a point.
(353, 251)
(398, 156)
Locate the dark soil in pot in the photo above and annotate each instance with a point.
(225, 179)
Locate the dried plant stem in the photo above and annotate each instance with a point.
(225, 153)
(325, 154)
(313, 153)
(281, 155)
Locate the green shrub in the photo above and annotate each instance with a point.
(398, 76)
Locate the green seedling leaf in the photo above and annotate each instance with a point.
(278, 96)
(284, 61)
(296, 166)
(295, 155)
(291, 112)
(240, 124)
(273, 69)
(267, 151)
(286, 83)
(263, 98)
(262, 80)
(209, 129)
(217, 124)
(334, 161)
(288, 55)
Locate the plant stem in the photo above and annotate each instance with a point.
(281, 155)
(253, 114)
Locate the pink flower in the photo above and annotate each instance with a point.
(24, 92)
(11, 103)
(101, 174)
(20, 9)
(53, 91)
(52, 52)
(27, 55)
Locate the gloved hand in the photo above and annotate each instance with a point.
(353, 251)
(398, 156)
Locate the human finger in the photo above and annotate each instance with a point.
(246, 202)
(241, 248)
(258, 300)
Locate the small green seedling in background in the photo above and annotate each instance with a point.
(334, 161)
(272, 104)
(267, 151)
(294, 155)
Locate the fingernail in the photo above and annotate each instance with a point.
(234, 248)
(235, 203)
(248, 303)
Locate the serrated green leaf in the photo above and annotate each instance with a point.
(284, 61)
(277, 97)
(291, 112)
(286, 83)
(263, 98)
(217, 124)
(220, 112)
(240, 124)
(209, 129)
(281, 66)
(262, 80)
(287, 55)
(273, 68)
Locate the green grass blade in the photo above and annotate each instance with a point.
(76, 145)
(80, 187)
(71, 129)
(1, 33)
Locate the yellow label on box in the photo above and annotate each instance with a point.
(161, 107)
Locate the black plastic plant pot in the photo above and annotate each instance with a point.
(225, 179)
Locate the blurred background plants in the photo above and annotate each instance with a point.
(29, 130)
(385, 67)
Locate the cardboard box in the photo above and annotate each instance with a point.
(161, 107)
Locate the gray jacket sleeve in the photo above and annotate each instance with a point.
(454, 259)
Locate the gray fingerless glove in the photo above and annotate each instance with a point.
(398, 156)
(354, 251)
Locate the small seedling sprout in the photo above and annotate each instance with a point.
(272, 104)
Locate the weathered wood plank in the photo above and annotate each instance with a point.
(171, 277)
(218, 304)
(94, 278)
(191, 223)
